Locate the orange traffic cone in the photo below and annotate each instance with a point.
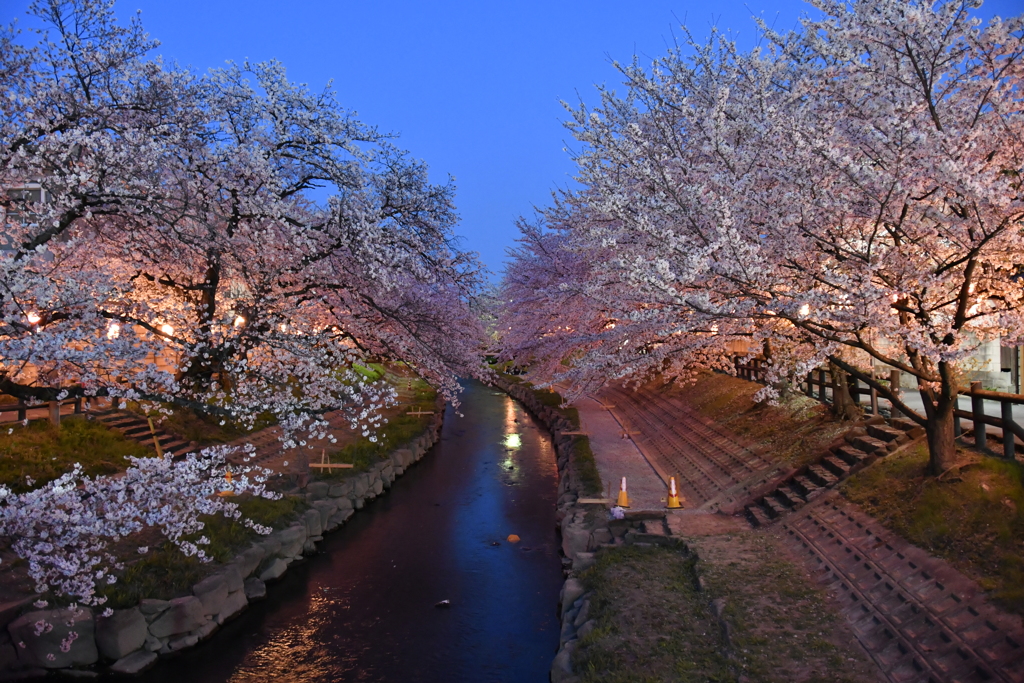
(228, 491)
(673, 495)
(623, 501)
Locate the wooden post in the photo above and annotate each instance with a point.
(22, 412)
(1009, 448)
(875, 394)
(55, 413)
(78, 406)
(821, 386)
(894, 386)
(854, 390)
(810, 385)
(978, 414)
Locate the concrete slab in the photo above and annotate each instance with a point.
(617, 457)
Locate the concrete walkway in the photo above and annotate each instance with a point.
(617, 457)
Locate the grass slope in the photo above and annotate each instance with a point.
(973, 517)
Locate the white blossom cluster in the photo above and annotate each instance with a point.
(64, 529)
(849, 193)
(165, 240)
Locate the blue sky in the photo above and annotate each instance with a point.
(473, 88)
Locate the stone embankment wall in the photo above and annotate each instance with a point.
(581, 533)
(133, 639)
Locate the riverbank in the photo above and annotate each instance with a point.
(132, 639)
(699, 594)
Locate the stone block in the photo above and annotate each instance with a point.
(153, 608)
(183, 615)
(233, 577)
(884, 433)
(311, 518)
(271, 544)
(235, 603)
(134, 663)
(340, 517)
(344, 504)
(181, 642)
(255, 589)
(378, 487)
(248, 561)
(575, 539)
(54, 626)
(572, 589)
(274, 570)
(601, 536)
(561, 667)
(339, 491)
(121, 633)
(360, 486)
(585, 629)
(212, 592)
(292, 540)
(326, 508)
(317, 490)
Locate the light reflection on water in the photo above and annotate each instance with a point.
(363, 609)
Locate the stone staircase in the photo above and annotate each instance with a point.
(858, 448)
(137, 429)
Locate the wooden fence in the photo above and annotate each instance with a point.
(818, 385)
(53, 406)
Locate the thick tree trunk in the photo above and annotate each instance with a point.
(941, 440)
(843, 405)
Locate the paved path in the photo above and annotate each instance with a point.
(617, 457)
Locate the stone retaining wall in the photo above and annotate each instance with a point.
(133, 639)
(579, 540)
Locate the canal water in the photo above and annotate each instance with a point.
(364, 608)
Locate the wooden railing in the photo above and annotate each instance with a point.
(53, 406)
(817, 385)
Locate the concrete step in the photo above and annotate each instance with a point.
(805, 485)
(756, 516)
(852, 455)
(790, 496)
(820, 476)
(835, 465)
(774, 507)
(869, 444)
(884, 433)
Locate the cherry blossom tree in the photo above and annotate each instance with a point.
(849, 193)
(231, 243)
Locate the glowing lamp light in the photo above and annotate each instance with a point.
(33, 318)
(239, 321)
(114, 331)
(167, 329)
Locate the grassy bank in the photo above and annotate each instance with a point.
(40, 452)
(165, 572)
(973, 516)
(791, 432)
(654, 625)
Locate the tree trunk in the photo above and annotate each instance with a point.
(843, 405)
(941, 440)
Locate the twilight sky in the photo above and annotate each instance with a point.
(473, 88)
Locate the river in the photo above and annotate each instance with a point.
(364, 608)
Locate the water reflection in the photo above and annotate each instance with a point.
(363, 610)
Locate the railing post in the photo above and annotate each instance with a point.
(1009, 447)
(894, 387)
(55, 413)
(977, 416)
(821, 386)
(810, 385)
(22, 412)
(854, 390)
(78, 406)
